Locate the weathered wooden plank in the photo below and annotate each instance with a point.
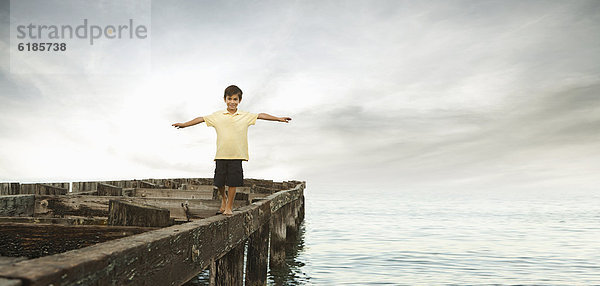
(239, 196)
(37, 240)
(44, 189)
(72, 205)
(194, 187)
(84, 193)
(167, 256)
(97, 206)
(53, 220)
(197, 208)
(258, 182)
(264, 190)
(170, 184)
(17, 205)
(172, 193)
(146, 184)
(109, 190)
(130, 214)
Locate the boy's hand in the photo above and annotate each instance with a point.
(178, 125)
(265, 116)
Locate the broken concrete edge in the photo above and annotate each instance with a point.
(207, 239)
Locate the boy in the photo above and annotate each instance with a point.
(232, 143)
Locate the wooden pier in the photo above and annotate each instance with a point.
(144, 232)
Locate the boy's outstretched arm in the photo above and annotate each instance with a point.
(273, 118)
(189, 123)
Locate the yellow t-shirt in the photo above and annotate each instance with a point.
(232, 133)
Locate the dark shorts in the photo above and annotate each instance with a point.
(229, 172)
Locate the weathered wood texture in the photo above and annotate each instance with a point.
(194, 187)
(166, 256)
(229, 270)
(72, 205)
(84, 193)
(264, 190)
(45, 189)
(172, 193)
(84, 186)
(282, 198)
(277, 242)
(10, 282)
(10, 188)
(291, 222)
(257, 257)
(159, 183)
(56, 220)
(17, 205)
(239, 195)
(5, 260)
(97, 206)
(39, 240)
(129, 214)
(108, 190)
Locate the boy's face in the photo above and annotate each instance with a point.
(232, 101)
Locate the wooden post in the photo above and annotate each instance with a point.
(9, 188)
(229, 269)
(278, 233)
(302, 203)
(256, 261)
(291, 232)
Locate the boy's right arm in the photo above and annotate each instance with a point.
(189, 123)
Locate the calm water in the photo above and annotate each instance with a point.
(354, 236)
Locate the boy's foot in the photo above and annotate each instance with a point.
(223, 205)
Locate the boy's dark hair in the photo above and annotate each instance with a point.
(232, 90)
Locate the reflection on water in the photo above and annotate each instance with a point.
(292, 273)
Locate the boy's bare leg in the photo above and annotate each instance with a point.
(230, 198)
(223, 199)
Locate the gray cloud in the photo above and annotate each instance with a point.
(474, 93)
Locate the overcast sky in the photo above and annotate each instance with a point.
(481, 95)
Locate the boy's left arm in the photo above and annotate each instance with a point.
(269, 117)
